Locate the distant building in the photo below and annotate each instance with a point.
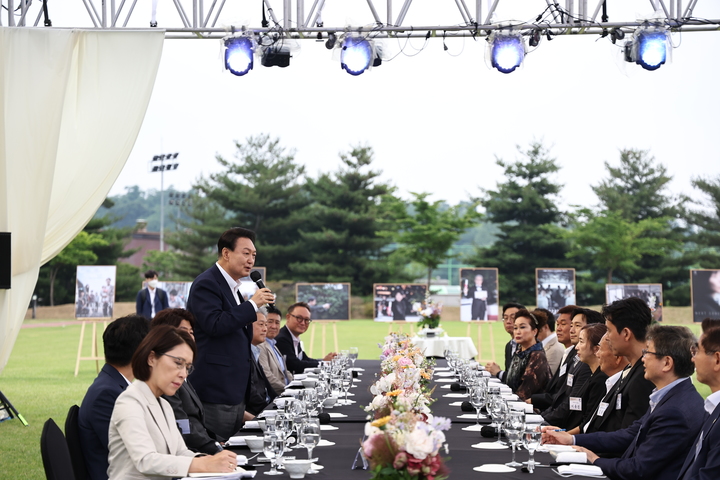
(143, 240)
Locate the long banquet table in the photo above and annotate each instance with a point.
(338, 459)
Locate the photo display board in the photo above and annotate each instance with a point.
(705, 290)
(398, 301)
(327, 301)
(554, 288)
(479, 294)
(650, 293)
(95, 291)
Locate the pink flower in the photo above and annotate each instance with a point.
(400, 460)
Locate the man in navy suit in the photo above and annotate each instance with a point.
(223, 331)
(653, 446)
(297, 322)
(151, 300)
(120, 341)
(703, 461)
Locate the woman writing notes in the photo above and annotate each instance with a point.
(144, 440)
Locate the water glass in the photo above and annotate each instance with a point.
(514, 429)
(310, 437)
(531, 441)
(273, 447)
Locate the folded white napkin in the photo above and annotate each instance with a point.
(300, 376)
(570, 457)
(585, 470)
(533, 418)
(445, 380)
(239, 473)
(251, 424)
(236, 442)
(553, 447)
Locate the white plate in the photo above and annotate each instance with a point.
(455, 395)
(315, 466)
(337, 415)
(328, 427)
(445, 380)
(446, 387)
(325, 443)
(455, 404)
(473, 428)
(442, 369)
(471, 416)
(443, 374)
(489, 446)
(494, 468)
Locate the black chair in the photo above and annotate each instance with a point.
(72, 435)
(55, 453)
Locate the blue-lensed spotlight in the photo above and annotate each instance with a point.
(651, 49)
(356, 55)
(238, 55)
(507, 52)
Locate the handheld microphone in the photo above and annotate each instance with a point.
(256, 277)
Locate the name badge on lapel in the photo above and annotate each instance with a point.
(563, 369)
(601, 409)
(576, 404)
(570, 378)
(618, 402)
(184, 425)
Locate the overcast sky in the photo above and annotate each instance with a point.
(437, 120)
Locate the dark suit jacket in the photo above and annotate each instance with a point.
(94, 419)
(285, 345)
(144, 308)
(706, 466)
(260, 392)
(634, 391)
(479, 306)
(591, 393)
(653, 446)
(223, 330)
(186, 405)
(559, 409)
(542, 401)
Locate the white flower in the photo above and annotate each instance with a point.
(419, 444)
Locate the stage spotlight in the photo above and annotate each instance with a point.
(238, 55)
(507, 51)
(648, 48)
(356, 55)
(276, 56)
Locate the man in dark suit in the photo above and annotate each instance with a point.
(223, 332)
(653, 446)
(509, 311)
(120, 340)
(186, 405)
(479, 294)
(703, 460)
(297, 322)
(151, 300)
(627, 321)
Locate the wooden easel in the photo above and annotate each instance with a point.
(93, 343)
(324, 324)
(479, 338)
(400, 324)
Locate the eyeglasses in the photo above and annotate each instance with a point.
(189, 367)
(645, 352)
(301, 319)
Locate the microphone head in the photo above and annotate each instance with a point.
(255, 276)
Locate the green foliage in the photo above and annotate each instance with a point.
(78, 252)
(165, 263)
(706, 219)
(612, 243)
(135, 204)
(127, 282)
(524, 208)
(339, 234)
(425, 235)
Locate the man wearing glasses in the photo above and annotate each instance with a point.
(288, 340)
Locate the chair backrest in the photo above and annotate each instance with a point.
(55, 454)
(72, 435)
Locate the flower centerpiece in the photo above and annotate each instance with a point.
(403, 441)
(431, 316)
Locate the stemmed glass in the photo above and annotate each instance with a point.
(477, 399)
(514, 428)
(310, 435)
(531, 441)
(498, 410)
(346, 383)
(310, 397)
(322, 392)
(273, 447)
(353, 355)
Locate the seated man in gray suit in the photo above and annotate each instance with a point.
(271, 360)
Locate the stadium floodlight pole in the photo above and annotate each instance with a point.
(161, 168)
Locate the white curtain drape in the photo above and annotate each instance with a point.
(71, 106)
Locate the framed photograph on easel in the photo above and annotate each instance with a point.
(479, 294)
(327, 301)
(95, 291)
(554, 288)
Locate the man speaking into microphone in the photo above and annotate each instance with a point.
(223, 332)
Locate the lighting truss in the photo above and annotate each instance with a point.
(303, 19)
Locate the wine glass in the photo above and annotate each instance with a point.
(346, 383)
(477, 399)
(310, 435)
(353, 355)
(514, 428)
(273, 447)
(531, 441)
(498, 410)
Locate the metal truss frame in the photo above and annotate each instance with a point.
(200, 18)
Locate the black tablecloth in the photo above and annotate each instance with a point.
(338, 459)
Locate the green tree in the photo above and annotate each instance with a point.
(612, 243)
(340, 237)
(425, 235)
(165, 263)
(260, 189)
(637, 189)
(78, 252)
(706, 219)
(524, 207)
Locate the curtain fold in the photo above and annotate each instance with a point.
(71, 105)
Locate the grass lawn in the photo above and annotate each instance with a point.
(39, 381)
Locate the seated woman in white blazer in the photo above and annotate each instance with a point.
(144, 440)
